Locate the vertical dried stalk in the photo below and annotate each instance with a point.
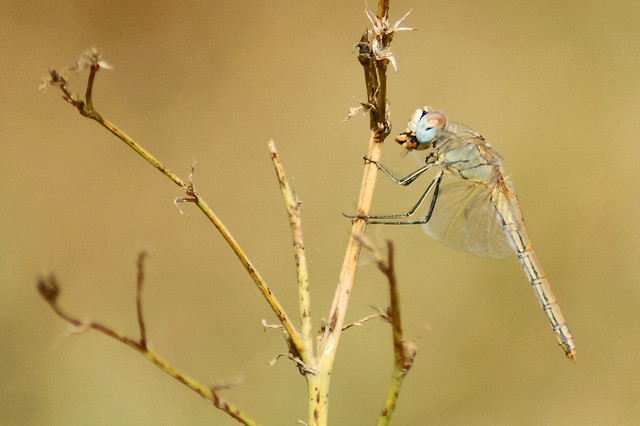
(374, 55)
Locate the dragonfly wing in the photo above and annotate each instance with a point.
(465, 218)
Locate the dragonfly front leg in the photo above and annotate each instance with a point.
(407, 180)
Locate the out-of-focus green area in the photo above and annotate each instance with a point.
(554, 87)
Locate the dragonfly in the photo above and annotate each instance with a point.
(473, 206)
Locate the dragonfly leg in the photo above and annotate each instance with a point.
(407, 180)
(436, 190)
(434, 187)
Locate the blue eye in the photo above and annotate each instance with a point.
(428, 128)
(424, 132)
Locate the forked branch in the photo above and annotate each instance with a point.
(50, 290)
(92, 60)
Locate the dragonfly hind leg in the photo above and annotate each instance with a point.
(434, 187)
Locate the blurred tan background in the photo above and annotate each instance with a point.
(555, 88)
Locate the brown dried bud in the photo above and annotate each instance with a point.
(49, 288)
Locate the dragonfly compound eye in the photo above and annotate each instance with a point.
(417, 135)
(415, 118)
(428, 128)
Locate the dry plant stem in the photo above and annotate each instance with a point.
(292, 206)
(86, 109)
(139, 285)
(404, 353)
(50, 290)
(375, 78)
(383, 8)
(328, 346)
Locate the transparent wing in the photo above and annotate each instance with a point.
(465, 218)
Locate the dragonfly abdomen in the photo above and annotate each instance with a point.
(541, 288)
(518, 236)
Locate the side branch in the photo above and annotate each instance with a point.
(50, 291)
(143, 331)
(404, 352)
(292, 206)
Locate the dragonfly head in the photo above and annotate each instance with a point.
(423, 128)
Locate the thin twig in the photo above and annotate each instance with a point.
(292, 206)
(404, 352)
(140, 281)
(360, 322)
(50, 291)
